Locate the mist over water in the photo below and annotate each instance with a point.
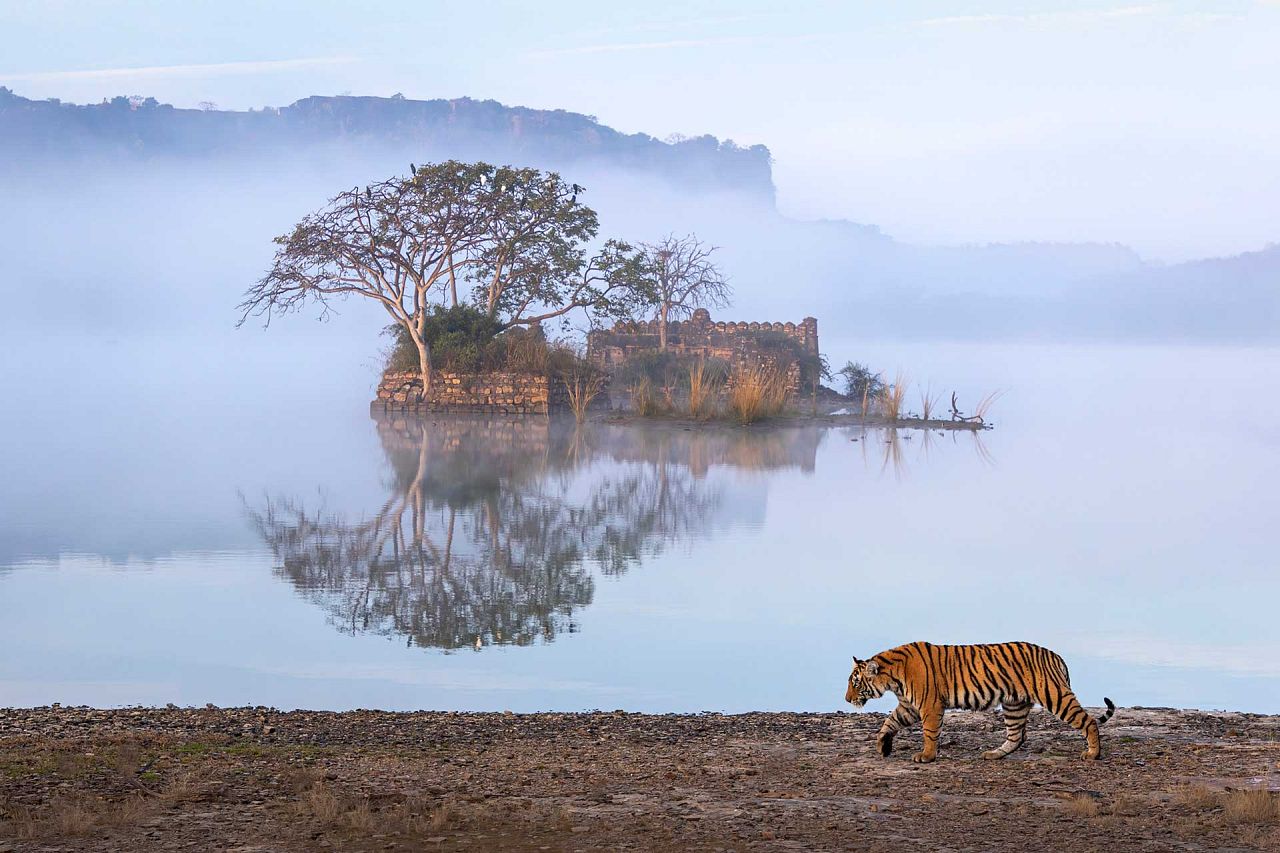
(207, 523)
(194, 512)
(117, 246)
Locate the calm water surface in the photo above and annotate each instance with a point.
(241, 534)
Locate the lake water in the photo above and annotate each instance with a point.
(235, 528)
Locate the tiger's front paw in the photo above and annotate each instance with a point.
(923, 757)
(884, 743)
(1091, 754)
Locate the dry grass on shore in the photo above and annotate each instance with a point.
(892, 398)
(757, 391)
(704, 389)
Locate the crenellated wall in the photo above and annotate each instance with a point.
(737, 343)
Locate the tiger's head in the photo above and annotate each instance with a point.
(866, 682)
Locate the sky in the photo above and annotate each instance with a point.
(1150, 124)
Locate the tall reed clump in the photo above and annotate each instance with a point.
(583, 385)
(892, 398)
(758, 392)
(704, 388)
(644, 401)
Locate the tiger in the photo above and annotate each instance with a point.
(927, 679)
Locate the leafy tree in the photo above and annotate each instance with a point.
(517, 237)
(457, 337)
(683, 278)
(859, 381)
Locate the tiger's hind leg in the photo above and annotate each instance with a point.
(1015, 725)
(1067, 708)
(902, 717)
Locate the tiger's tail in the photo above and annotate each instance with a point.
(1111, 709)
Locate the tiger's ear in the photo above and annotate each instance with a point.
(873, 667)
(856, 661)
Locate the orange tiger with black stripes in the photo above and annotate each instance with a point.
(928, 679)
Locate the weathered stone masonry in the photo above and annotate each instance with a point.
(698, 335)
(504, 393)
(738, 344)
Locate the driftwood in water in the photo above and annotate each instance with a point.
(956, 415)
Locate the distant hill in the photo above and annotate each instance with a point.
(140, 189)
(141, 129)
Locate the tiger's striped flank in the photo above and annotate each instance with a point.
(927, 679)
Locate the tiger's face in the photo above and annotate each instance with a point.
(865, 683)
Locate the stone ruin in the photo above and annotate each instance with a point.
(738, 344)
(491, 392)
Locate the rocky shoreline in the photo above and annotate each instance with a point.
(256, 779)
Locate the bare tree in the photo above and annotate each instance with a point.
(684, 277)
(517, 235)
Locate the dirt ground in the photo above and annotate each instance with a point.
(254, 779)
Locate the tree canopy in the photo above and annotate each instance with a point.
(513, 242)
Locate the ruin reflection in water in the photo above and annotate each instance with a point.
(493, 529)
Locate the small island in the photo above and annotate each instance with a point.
(476, 265)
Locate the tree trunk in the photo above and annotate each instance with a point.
(424, 364)
(453, 282)
(663, 313)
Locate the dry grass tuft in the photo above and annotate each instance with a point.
(1081, 805)
(644, 401)
(928, 402)
(1262, 839)
(412, 816)
(1251, 805)
(298, 780)
(66, 817)
(71, 817)
(757, 392)
(703, 390)
(441, 816)
(184, 787)
(321, 803)
(416, 816)
(1129, 805)
(1197, 797)
(360, 818)
(19, 822)
(893, 396)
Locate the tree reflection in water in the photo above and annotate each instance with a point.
(493, 528)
